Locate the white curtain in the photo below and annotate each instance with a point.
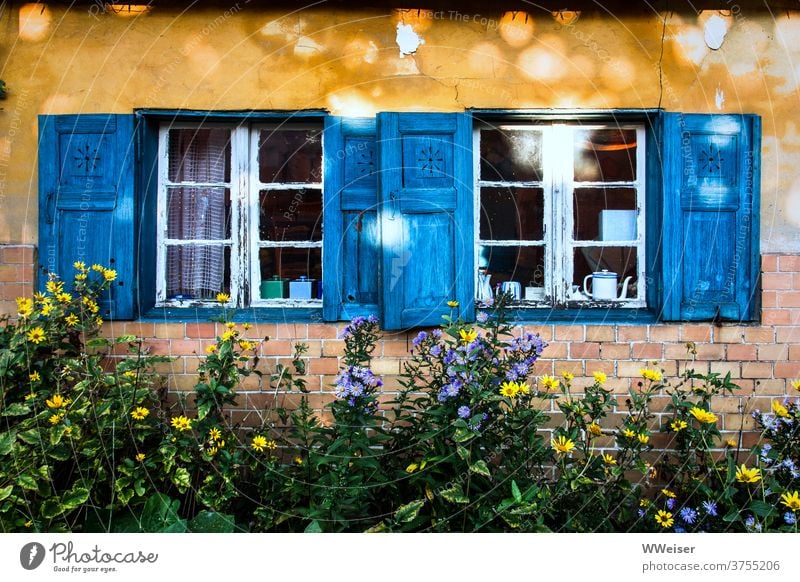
(197, 213)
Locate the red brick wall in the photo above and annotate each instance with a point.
(763, 359)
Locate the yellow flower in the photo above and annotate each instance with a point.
(57, 401)
(600, 377)
(568, 376)
(36, 335)
(181, 423)
(129, 374)
(247, 326)
(509, 389)
(594, 429)
(271, 445)
(652, 375)
(223, 297)
(298, 460)
(214, 433)
(212, 451)
(780, 409)
(609, 460)
(523, 388)
(139, 413)
(39, 297)
(730, 443)
(246, 345)
(56, 418)
(643, 438)
(54, 286)
(468, 336)
(79, 265)
(664, 518)
(548, 382)
(230, 325)
(792, 501)
(452, 304)
(47, 307)
(628, 433)
(678, 425)
(24, 306)
(109, 274)
(668, 493)
(211, 349)
(563, 445)
(30, 396)
(703, 415)
(259, 443)
(140, 457)
(228, 335)
(34, 377)
(80, 277)
(29, 523)
(412, 467)
(72, 320)
(98, 321)
(796, 385)
(745, 475)
(68, 431)
(63, 297)
(98, 268)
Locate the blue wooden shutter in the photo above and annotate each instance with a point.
(86, 200)
(426, 216)
(351, 251)
(710, 248)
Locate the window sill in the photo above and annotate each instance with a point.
(611, 314)
(244, 315)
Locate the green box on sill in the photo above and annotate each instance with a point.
(275, 288)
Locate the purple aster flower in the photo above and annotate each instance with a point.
(437, 333)
(688, 515)
(482, 317)
(421, 337)
(710, 508)
(679, 529)
(790, 518)
(641, 512)
(436, 350)
(463, 411)
(671, 503)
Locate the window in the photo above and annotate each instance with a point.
(561, 213)
(240, 213)
(185, 205)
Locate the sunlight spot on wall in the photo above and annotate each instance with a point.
(34, 21)
(59, 103)
(516, 28)
(202, 57)
(791, 204)
(351, 103)
(487, 60)
(691, 45)
(620, 72)
(359, 51)
(402, 67)
(542, 64)
(787, 31)
(284, 28)
(307, 47)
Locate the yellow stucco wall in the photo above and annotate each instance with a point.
(348, 62)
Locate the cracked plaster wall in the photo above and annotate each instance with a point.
(79, 61)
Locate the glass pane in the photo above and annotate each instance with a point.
(523, 265)
(619, 260)
(200, 155)
(198, 271)
(290, 155)
(512, 214)
(291, 264)
(512, 155)
(291, 215)
(198, 213)
(605, 155)
(604, 214)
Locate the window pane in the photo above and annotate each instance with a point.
(291, 215)
(619, 260)
(524, 265)
(605, 155)
(290, 155)
(291, 264)
(604, 214)
(200, 155)
(512, 155)
(198, 213)
(512, 214)
(198, 271)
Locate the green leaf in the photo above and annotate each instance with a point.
(30, 437)
(27, 481)
(481, 468)
(313, 527)
(56, 433)
(60, 453)
(179, 526)
(212, 522)
(203, 409)
(51, 508)
(761, 508)
(462, 435)
(454, 494)
(182, 478)
(515, 492)
(409, 511)
(159, 513)
(7, 442)
(74, 498)
(97, 342)
(17, 409)
(5, 492)
(463, 453)
(126, 339)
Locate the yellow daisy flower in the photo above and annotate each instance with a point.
(223, 297)
(259, 443)
(71, 320)
(509, 389)
(594, 429)
(109, 274)
(36, 335)
(664, 518)
(181, 423)
(214, 433)
(600, 377)
(34, 377)
(678, 425)
(140, 413)
(140, 457)
(452, 304)
(779, 409)
(703, 416)
(563, 445)
(57, 401)
(745, 475)
(468, 336)
(211, 349)
(791, 500)
(548, 382)
(652, 375)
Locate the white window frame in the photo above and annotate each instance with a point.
(244, 241)
(558, 183)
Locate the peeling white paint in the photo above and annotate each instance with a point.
(714, 32)
(407, 40)
(720, 99)
(306, 47)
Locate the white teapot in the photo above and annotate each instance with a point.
(604, 286)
